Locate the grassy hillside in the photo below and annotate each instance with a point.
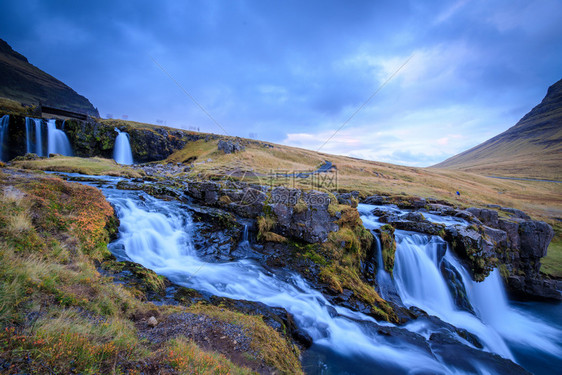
(530, 149)
(25, 83)
(61, 311)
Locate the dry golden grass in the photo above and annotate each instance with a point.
(542, 200)
(13, 107)
(195, 152)
(91, 166)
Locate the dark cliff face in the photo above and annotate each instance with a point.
(25, 83)
(91, 138)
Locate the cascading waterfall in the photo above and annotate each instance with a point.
(156, 235)
(122, 153)
(28, 130)
(417, 258)
(384, 280)
(57, 140)
(34, 136)
(501, 328)
(39, 137)
(4, 123)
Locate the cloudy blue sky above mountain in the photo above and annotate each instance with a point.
(293, 72)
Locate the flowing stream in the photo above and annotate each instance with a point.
(158, 234)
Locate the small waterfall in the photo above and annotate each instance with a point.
(54, 141)
(34, 136)
(57, 140)
(122, 152)
(384, 281)
(421, 263)
(420, 284)
(39, 137)
(4, 122)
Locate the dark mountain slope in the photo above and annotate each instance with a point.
(25, 83)
(532, 148)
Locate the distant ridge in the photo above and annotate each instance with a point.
(530, 149)
(25, 83)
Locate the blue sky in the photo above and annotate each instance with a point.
(293, 72)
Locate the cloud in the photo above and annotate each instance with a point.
(294, 72)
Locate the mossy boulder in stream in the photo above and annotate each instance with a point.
(388, 247)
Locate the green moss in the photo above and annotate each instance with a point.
(552, 262)
(388, 247)
(300, 207)
(504, 271)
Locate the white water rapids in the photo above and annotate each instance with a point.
(157, 234)
(420, 283)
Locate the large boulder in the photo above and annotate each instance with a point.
(514, 212)
(375, 200)
(534, 237)
(474, 249)
(350, 199)
(230, 147)
(511, 228)
(302, 215)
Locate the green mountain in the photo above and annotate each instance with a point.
(25, 83)
(532, 148)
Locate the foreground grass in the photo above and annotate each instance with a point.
(59, 315)
(91, 166)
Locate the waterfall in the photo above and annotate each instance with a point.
(57, 140)
(157, 234)
(34, 136)
(384, 282)
(420, 282)
(122, 152)
(39, 137)
(4, 122)
(496, 323)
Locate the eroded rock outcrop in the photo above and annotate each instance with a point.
(230, 147)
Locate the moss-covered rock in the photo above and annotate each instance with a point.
(388, 247)
(474, 248)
